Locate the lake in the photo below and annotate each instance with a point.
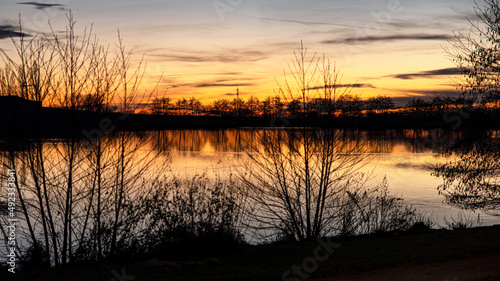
(406, 157)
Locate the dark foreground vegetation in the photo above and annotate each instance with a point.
(270, 261)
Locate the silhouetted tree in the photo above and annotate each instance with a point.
(32, 74)
(161, 106)
(75, 189)
(104, 80)
(332, 90)
(303, 70)
(417, 104)
(350, 105)
(8, 81)
(477, 54)
(182, 106)
(266, 107)
(194, 105)
(441, 102)
(278, 107)
(238, 106)
(379, 103)
(221, 107)
(293, 107)
(296, 182)
(253, 105)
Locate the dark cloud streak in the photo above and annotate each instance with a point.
(371, 39)
(42, 6)
(234, 94)
(7, 31)
(424, 94)
(429, 73)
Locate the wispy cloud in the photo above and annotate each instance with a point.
(7, 31)
(234, 94)
(399, 37)
(430, 93)
(461, 14)
(356, 85)
(223, 84)
(423, 94)
(42, 6)
(428, 74)
(310, 22)
(225, 56)
(189, 82)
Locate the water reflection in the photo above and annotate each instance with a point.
(407, 157)
(245, 140)
(187, 141)
(471, 181)
(299, 183)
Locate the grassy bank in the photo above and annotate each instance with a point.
(269, 262)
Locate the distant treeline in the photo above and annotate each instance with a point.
(349, 111)
(269, 107)
(275, 106)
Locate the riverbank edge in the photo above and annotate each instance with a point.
(271, 261)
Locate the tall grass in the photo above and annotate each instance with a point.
(185, 218)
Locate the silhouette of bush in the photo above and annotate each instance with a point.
(35, 257)
(369, 210)
(190, 218)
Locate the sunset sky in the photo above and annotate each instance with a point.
(207, 48)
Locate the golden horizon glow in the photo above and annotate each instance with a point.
(383, 47)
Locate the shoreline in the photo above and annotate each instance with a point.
(388, 256)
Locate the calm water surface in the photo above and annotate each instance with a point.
(405, 157)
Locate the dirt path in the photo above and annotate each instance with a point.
(460, 270)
